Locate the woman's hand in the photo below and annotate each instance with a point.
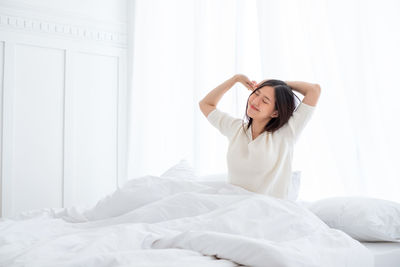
(250, 85)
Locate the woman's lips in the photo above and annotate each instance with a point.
(253, 107)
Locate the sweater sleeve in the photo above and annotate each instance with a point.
(299, 120)
(225, 123)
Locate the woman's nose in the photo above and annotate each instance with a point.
(256, 100)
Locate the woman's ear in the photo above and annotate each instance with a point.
(275, 114)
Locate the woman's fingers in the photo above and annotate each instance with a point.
(254, 84)
(250, 85)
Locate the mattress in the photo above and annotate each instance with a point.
(387, 254)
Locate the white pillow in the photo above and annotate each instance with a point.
(363, 218)
(294, 187)
(182, 169)
(214, 177)
(293, 191)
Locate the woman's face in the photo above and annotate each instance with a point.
(261, 104)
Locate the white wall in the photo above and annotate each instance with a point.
(1, 118)
(63, 111)
(103, 11)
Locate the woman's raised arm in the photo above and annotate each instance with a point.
(210, 101)
(311, 91)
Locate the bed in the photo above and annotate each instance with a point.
(386, 254)
(174, 221)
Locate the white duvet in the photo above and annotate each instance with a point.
(160, 221)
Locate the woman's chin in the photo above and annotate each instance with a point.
(250, 114)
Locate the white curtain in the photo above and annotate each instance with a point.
(182, 49)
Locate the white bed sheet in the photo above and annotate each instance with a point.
(147, 221)
(387, 254)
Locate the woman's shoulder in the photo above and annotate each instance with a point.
(282, 135)
(227, 124)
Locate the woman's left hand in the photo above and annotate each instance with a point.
(254, 85)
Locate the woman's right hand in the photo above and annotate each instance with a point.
(250, 85)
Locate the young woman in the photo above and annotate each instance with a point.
(260, 150)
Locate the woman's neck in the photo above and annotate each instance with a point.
(257, 128)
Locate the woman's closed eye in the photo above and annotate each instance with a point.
(265, 101)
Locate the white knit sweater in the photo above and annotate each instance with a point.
(262, 165)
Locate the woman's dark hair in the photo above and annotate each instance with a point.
(284, 102)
